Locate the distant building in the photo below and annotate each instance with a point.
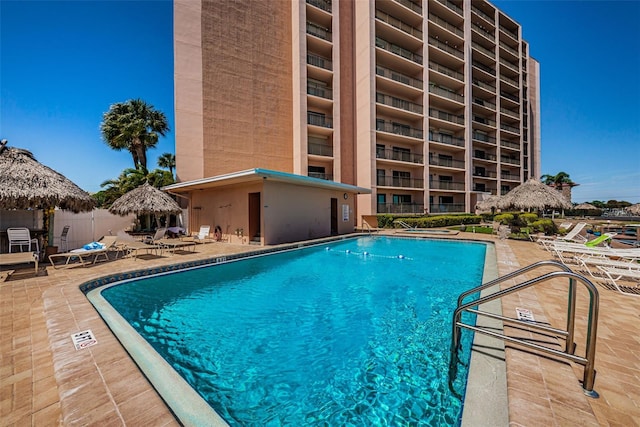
(426, 103)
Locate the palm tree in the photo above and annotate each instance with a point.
(133, 125)
(556, 180)
(167, 160)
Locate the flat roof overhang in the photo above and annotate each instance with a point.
(255, 175)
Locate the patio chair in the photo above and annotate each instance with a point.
(21, 236)
(135, 247)
(93, 250)
(203, 235)
(565, 225)
(591, 263)
(572, 236)
(63, 245)
(631, 279)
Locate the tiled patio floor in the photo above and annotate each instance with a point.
(45, 381)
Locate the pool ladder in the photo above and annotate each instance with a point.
(588, 361)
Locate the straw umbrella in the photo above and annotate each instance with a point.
(585, 207)
(533, 195)
(488, 205)
(26, 183)
(144, 200)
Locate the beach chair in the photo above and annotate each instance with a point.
(21, 236)
(95, 250)
(134, 247)
(572, 236)
(203, 235)
(625, 281)
(19, 258)
(63, 245)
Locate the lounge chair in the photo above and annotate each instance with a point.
(566, 252)
(590, 264)
(93, 250)
(172, 245)
(614, 276)
(135, 247)
(572, 236)
(565, 226)
(203, 235)
(19, 258)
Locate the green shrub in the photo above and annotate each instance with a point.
(389, 221)
(505, 218)
(528, 218)
(545, 226)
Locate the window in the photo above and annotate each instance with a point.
(380, 151)
(401, 179)
(380, 177)
(403, 154)
(401, 199)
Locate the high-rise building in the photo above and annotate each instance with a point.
(432, 104)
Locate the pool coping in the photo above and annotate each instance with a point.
(485, 402)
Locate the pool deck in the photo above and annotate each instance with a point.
(45, 381)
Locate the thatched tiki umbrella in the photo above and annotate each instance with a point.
(533, 195)
(634, 209)
(146, 199)
(585, 207)
(489, 204)
(27, 184)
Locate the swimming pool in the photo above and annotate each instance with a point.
(343, 333)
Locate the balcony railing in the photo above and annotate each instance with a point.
(508, 112)
(509, 144)
(401, 208)
(447, 71)
(484, 103)
(446, 139)
(398, 129)
(510, 176)
(446, 24)
(484, 189)
(401, 156)
(509, 32)
(320, 149)
(396, 23)
(321, 4)
(509, 96)
(481, 13)
(478, 46)
(509, 80)
(320, 175)
(318, 31)
(484, 85)
(510, 128)
(509, 64)
(446, 163)
(410, 5)
(316, 119)
(445, 92)
(484, 174)
(446, 207)
(403, 104)
(483, 31)
(451, 6)
(453, 50)
(482, 137)
(442, 115)
(397, 50)
(484, 156)
(399, 77)
(397, 181)
(510, 160)
(319, 90)
(484, 121)
(483, 67)
(319, 61)
(446, 185)
(509, 49)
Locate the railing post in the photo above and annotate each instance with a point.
(570, 346)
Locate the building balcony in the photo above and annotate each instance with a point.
(453, 50)
(510, 33)
(510, 176)
(510, 160)
(446, 71)
(484, 85)
(318, 31)
(451, 6)
(445, 92)
(397, 50)
(400, 208)
(484, 103)
(399, 77)
(446, 25)
(478, 136)
(511, 113)
(446, 207)
(511, 129)
(509, 96)
(400, 25)
(491, 54)
(399, 182)
(484, 174)
(446, 185)
(484, 121)
(485, 68)
(400, 156)
(402, 104)
(509, 49)
(510, 81)
(398, 129)
(479, 155)
(510, 144)
(319, 61)
(483, 15)
(321, 4)
(319, 90)
(448, 117)
(446, 139)
(510, 65)
(320, 149)
(446, 163)
(482, 188)
(317, 119)
(490, 35)
(320, 175)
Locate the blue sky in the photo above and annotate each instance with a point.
(62, 64)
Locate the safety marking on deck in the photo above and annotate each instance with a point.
(525, 314)
(83, 339)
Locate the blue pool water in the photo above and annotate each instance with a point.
(351, 333)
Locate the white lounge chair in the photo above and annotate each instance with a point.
(93, 250)
(203, 235)
(572, 236)
(631, 279)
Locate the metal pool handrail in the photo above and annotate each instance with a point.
(592, 323)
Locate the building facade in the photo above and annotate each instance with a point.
(431, 104)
